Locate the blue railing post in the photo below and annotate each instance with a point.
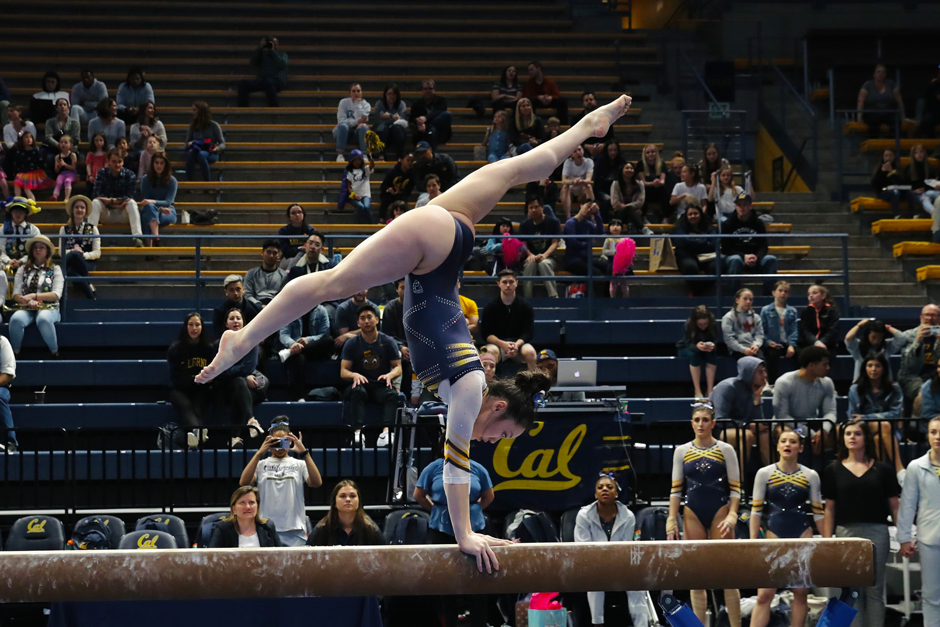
(718, 270)
(199, 274)
(845, 273)
(590, 274)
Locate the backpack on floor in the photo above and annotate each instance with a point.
(530, 526)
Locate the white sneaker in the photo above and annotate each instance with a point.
(901, 474)
(204, 435)
(283, 354)
(385, 439)
(192, 440)
(254, 428)
(340, 159)
(357, 439)
(301, 400)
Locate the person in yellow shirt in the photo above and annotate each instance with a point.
(471, 313)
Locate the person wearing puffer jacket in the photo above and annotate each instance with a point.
(609, 520)
(742, 328)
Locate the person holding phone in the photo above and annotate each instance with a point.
(281, 480)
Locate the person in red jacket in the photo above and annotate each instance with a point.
(544, 93)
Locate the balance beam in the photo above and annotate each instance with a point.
(156, 574)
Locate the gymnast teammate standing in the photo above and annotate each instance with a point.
(707, 470)
(429, 246)
(781, 494)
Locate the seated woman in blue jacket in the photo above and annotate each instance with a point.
(781, 324)
(875, 397)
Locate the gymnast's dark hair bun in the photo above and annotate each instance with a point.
(531, 383)
(523, 393)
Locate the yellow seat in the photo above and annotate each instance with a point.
(915, 249)
(901, 226)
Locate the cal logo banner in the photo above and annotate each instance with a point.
(554, 465)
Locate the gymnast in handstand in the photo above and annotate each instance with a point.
(428, 246)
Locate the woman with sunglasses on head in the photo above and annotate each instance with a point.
(609, 520)
(781, 494)
(706, 471)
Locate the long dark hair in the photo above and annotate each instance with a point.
(707, 166)
(499, 223)
(397, 91)
(203, 115)
(142, 118)
(160, 180)
(688, 227)
(303, 224)
(864, 344)
(520, 394)
(331, 520)
(136, 70)
(885, 384)
(183, 336)
(622, 184)
(51, 74)
(504, 80)
(869, 439)
(103, 108)
(701, 312)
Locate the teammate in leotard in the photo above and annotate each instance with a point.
(706, 471)
(783, 495)
(416, 245)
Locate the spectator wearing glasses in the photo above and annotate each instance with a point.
(352, 117)
(919, 359)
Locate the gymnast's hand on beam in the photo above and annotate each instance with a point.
(478, 545)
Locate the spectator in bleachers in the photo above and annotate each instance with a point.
(371, 362)
(889, 174)
(145, 157)
(7, 374)
(310, 258)
(132, 94)
(430, 119)
(113, 195)
(147, 125)
(689, 191)
(741, 327)
(747, 253)
(489, 360)
(292, 237)
(37, 288)
(861, 494)
(699, 345)
(918, 172)
(508, 321)
(393, 325)
(79, 251)
(56, 127)
(873, 336)
(739, 399)
(16, 125)
(431, 162)
(627, 197)
(158, 188)
(391, 121)
(29, 167)
(296, 348)
(819, 322)
(920, 504)
(808, 394)
(397, 208)
(42, 103)
(107, 122)
(244, 527)
(608, 168)
(653, 178)
(86, 94)
(544, 93)
(876, 399)
(722, 193)
(577, 180)
(919, 359)
(280, 479)
(609, 520)
(347, 523)
(352, 116)
(931, 114)
(609, 252)
(66, 167)
(527, 130)
(579, 252)
(471, 313)
(95, 159)
(507, 92)
(879, 102)
(234, 290)
(430, 496)
(346, 318)
(538, 257)
(397, 184)
(271, 67)
(710, 165)
(432, 189)
(123, 147)
(781, 330)
(694, 255)
(593, 145)
(262, 283)
(13, 249)
(357, 186)
(673, 178)
(241, 385)
(187, 356)
(547, 362)
(496, 140)
(204, 141)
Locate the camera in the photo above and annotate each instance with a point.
(283, 443)
(935, 330)
(268, 42)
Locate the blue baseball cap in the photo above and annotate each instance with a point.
(422, 147)
(547, 353)
(743, 197)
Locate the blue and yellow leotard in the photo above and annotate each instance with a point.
(781, 499)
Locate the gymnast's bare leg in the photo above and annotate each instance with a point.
(417, 242)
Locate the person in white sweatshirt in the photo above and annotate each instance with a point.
(742, 328)
(352, 115)
(609, 520)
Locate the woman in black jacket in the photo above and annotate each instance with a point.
(819, 322)
(887, 174)
(244, 528)
(347, 523)
(186, 358)
(695, 255)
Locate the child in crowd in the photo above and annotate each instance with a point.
(615, 229)
(96, 158)
(553, 127)
(698, 344)
(742, 328)
(819, 321)
(30, 174)
(152, 148)
(781, 323)
(66, 166)
(497, 138)
(723, 192)
(397, 208)
(122, 145)
(359, 187)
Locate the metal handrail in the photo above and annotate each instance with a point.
(698, 77)
(805, 104)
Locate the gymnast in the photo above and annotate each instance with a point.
(428, 246)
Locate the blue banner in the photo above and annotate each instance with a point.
(554, 465)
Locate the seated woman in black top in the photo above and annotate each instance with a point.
(347, 524)
(695, 255)
(186, 358)
(244, 528)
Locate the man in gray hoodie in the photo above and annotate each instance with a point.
(739, 399)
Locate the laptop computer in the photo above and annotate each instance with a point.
(577, 372)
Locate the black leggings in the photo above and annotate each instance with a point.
(191, 404)
(75, 265)
(479, 606)
(297, 364)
